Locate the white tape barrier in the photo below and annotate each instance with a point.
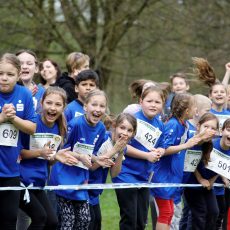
(98, 186)
(105, 186)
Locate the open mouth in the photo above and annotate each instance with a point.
(51, 115)
(25, 72)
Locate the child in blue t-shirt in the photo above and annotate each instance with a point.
(170, 167)
(114, 147)
(144, 149)
(218, 95)
(38, 150)
(17, 115)
(85, 138)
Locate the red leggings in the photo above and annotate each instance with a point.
(166, 210)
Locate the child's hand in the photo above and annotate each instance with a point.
(120, 143)
(104, 161)
(46, 152)
(8, 112)
(192, 142)
(65, 156)
(205, 183)
(227, 67)
(85, 159)
(226, 182)
(153, 156)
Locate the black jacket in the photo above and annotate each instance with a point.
(68, 84)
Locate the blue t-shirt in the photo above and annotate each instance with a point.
(22, 100)
(37, 97)
(170, 168)
(62, 174)
(186, 174)
(35, 170)
(138, 170)
(216, 145)
(74, 109)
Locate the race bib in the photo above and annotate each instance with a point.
(39, 140)
(219, 163)
(106, 147)
(147, 135)
(192, 159)
(83, 149)
(8, 135)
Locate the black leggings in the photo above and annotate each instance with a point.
(204, 208)
(95, 213)
(133, 203)
(40, 211)
(9, 202)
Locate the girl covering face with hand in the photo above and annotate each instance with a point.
(113, 148)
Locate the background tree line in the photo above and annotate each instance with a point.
(126, 39)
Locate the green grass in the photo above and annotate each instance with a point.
(110, 211)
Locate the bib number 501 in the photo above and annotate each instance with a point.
(224, 166)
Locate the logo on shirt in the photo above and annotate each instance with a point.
(95, 140)
(19, 106)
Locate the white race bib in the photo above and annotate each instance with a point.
(8, 135)
(192, 159)
(39, 140)
(147, 135)
(219, 163)
(83, 149)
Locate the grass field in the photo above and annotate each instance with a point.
(110, 211)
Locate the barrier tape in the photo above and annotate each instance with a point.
(105, 186)
(98, 186)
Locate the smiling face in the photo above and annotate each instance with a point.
(28, 66)
(123, 129)
(8, 77)
(49, 72)
(52, 108)
(218, 95)
(95, 109)
(152, 104)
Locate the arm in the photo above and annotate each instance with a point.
(9, 114)
(177, 148)
(116, 168)
(151, 156)
(225, 80)
(205, 183)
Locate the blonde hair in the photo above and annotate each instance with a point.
(75, 60)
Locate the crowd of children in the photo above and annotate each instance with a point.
(59, 132)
